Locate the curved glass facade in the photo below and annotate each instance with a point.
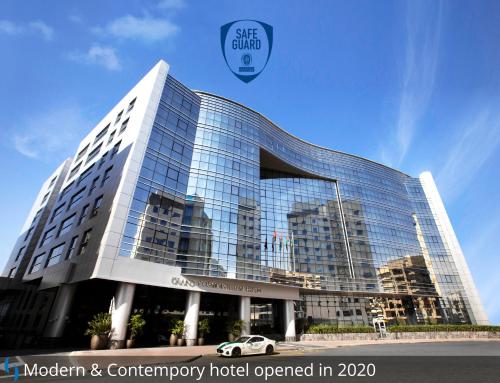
(223, 192)
(185, 195)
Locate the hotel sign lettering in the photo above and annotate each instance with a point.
(223, 286)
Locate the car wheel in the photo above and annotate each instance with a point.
(236, 352)
(269, 349)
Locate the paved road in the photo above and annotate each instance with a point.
(469, 348)
(457, 362)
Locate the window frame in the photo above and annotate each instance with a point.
(84, 214)
(106, 176)
(85, 242)
(82, 152)
(72, 247)
(93, 154)
(74, 202)
(51, 257)
(71, 220)
(99, 136)
(34, 263)
(44, 238)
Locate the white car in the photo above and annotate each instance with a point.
(247, 345)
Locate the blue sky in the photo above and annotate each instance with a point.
(415, 85)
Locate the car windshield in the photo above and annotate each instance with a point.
(242, 339)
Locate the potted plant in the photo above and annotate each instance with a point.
(234, 329)
(203, 328)
(181, 332)
(99, 328)
(177, 330)
(136, 324)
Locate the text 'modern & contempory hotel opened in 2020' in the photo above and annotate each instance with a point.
(184, 204)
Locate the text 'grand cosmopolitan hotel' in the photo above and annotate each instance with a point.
(184, 204)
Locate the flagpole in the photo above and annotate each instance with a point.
(282, 251)
(265, 250)
(274, 249)
(287, 249)
(279, 251)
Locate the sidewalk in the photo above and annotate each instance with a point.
(174, 355)
(312, 345)
(187, 353)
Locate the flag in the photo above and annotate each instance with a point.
(281, 241)
(286, 242)
(291, 241)
(265, 244)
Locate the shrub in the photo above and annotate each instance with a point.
(204, 327)
(235, 327)
(324, 328)
(99, 325)
(442, 327)
(177, 327)
(136, 324)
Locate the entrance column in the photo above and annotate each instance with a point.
(124, 298)
(245, 314)
(289, 321)
(191, 317)
(60, 310)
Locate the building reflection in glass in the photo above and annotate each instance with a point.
(224, 192)
(154, 234)
(301, 230)
(194, 254)
(415, 299)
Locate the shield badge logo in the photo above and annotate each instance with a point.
(246, 47)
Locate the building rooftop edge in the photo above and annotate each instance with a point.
(298, 138)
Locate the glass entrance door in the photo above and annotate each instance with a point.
(266, 316)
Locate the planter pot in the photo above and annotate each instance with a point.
(180, 342)
(201, 341)
(130, 343)
(173, 339)
(231, 337)
(98, 342)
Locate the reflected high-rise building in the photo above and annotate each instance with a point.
(248, 249)
(157, 237)
(362, 252)
(202, 204)
(415, 299)
(194, 253)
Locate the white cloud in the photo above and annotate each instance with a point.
(171, 4)
(147, 28)
(51, 133)
(75, 18)
(10, 28)
(423, 28)
(98, 55)
(46, 31)
(476, 142)
(36, 27)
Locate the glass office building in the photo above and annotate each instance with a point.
(182, 203)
